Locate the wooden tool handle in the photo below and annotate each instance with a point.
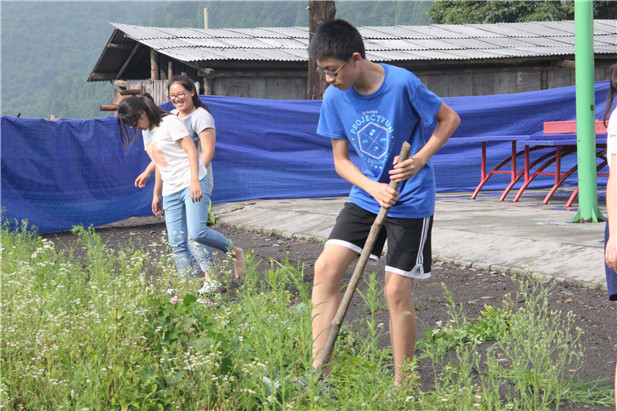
(357, 274)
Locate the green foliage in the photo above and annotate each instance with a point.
(237, 14)
(522, 356)
(99, 329)
(383, 13)
(493, 324)
(49, 48)
(245, 14)
(496, 11)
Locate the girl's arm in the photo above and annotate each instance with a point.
(195, 188)
(207, 141)
(157, 203)
(143, 178)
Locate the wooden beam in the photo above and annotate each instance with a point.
(109, 107)
(128, 60)
(170, 69)
(119, 83)
(566, 64)
(131, 92)
(210, 73)
(154, 65)
(248, 66)
(205, 72)
(101, 76)
(116, 46)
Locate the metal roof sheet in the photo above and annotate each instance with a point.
(387, 43)
(607, 26)
(189, 33)
(519, 38)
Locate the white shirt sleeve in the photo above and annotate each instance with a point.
(175, 127)
(202, 120)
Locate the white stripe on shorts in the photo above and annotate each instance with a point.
(373, 259)
(418, 270)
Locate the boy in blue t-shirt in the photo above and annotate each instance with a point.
(376, 108)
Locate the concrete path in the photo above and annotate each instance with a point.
(484, 233)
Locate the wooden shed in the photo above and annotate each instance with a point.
(271, 62)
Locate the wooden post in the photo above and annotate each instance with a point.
(207, 88)
(170, 70)
(206, 76)
(206, 18)
(154, 65)
(319, 12)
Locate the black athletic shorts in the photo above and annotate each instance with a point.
(409, 240)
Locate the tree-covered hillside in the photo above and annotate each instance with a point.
(49, 48)
(509, 11)
(243, 14)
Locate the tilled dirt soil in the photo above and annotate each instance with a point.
(470, 288)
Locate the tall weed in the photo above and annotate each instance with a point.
(94, 328)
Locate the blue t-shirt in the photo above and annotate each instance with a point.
(377, 125)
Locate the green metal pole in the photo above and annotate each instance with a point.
(585, 114)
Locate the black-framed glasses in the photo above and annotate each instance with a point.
(176, 96)
(334, 73)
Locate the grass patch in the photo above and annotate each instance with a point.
(102, 332)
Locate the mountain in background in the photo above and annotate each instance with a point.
(247, 14)
(49, 48)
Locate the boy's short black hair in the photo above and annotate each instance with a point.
(338, 39)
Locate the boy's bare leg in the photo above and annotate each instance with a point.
(402, 321)
(326, 298)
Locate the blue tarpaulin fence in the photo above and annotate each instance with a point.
(62, 173)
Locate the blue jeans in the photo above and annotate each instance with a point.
(187, 221)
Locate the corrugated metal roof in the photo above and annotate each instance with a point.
(391, 43)
(387, 43)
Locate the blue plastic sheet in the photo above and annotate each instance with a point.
(62, 173)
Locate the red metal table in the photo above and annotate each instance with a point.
(501, 167)
(559, 146)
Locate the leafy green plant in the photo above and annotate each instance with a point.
(528, 362)
(493, 324)
(92, 328)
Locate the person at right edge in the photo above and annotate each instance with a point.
(610, 233)
(376, 108)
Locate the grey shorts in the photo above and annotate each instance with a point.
(409, 240)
